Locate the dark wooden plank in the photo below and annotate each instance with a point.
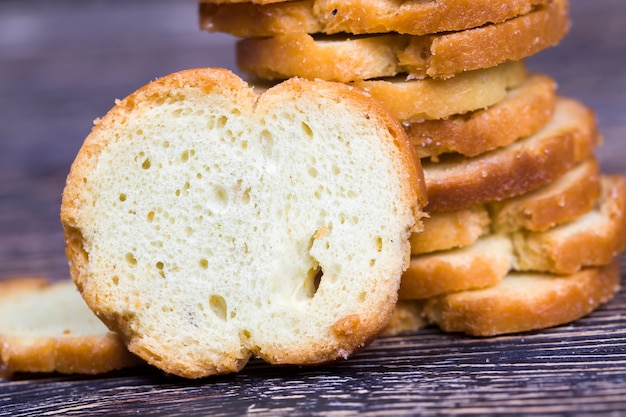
(61, 65)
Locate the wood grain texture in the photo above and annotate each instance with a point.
(63, 63)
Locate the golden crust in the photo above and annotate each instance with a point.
(450, 229)
(356, 16)
(440, 56)
(570, 196)
(524, 110)
(592, 239)
(524, 302)
(527, 164)
(482, 264)
(443, 56)
(351, 332)
(417, 100)
(36, 337)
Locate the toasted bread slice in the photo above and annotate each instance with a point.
(417, 100)
(458, 182)
(570, 196)
(523, 111)
(524, 302)
(451, 229)
(482, 264)
(208, 224)
(356, 16)
(592, 239)
(47, 327)
(348, 58)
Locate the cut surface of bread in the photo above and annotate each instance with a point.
(347, 58)
(523, 111)
(525, 165)
(47, 327)
(524, 302)
(207, 224)
(570, 196)
(451, 229)
(356, 16)
(592, 239)
(482, 264)
(417, 100)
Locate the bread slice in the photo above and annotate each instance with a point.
(525, 301)
(443, 56)
(458, 182)
(592, 239)
(418, 100)
(46, 327)
(570, 196)
(356, 16)
(207, 224)
(523, 111)
(347, 58)
(451, 229)
(482, 264)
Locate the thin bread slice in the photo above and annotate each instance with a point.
(417, 100)
(457, 182)
(47, 327)
(347, 58)
(525, 301)
(356, 16)
(592, 239)
(207, 224)
(523, 111)
(451, 229)
(570, 196)
(482, 264)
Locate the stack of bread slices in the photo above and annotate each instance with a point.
(524, 229)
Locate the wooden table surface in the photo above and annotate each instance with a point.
(63, 63)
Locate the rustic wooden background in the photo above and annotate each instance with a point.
(63, 63)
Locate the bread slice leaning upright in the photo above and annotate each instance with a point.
(208, 224)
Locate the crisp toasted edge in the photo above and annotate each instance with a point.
(527, 164)
(569, 196)
(522, 112)
(416, 100)
(441, 56)
(567, 248)
(493, 311)
(252, 18)
(62, 353)
(482, 264)
(450, 229)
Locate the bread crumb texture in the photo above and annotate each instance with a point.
(208, 224)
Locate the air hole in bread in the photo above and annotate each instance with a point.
(115, 279)
(308, 132)
(146, 164)
(122, 197)
(130, 258)
(313, 280)
(312, 172)
(160, 266)
(220, 195)
(218, 306)
(221, 122)
(379, 244)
